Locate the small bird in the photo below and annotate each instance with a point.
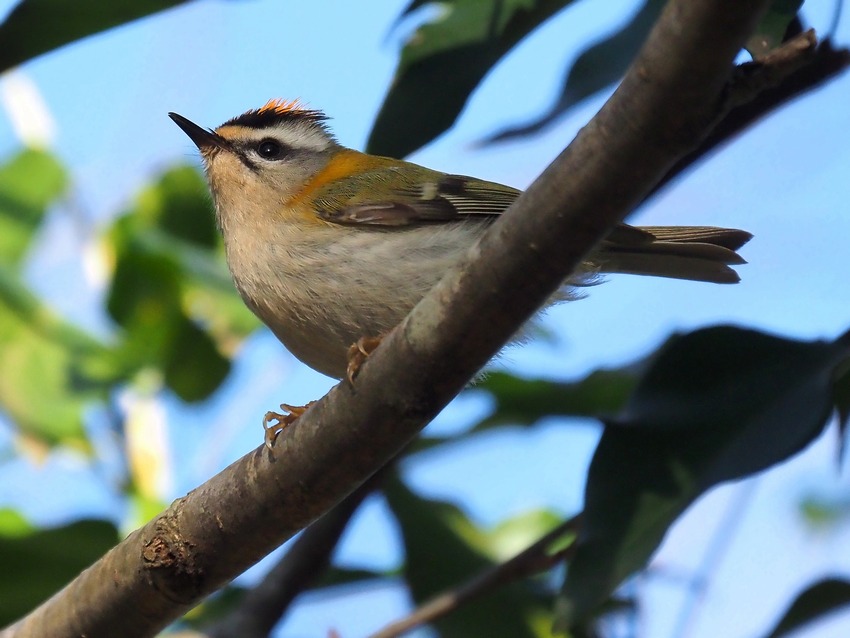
(328, 246)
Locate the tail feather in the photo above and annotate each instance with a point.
(700, 253)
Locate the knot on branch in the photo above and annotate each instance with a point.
(170, 559)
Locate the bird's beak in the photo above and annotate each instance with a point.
(203, 138)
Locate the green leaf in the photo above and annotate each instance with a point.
(29, 183)
(38, 564)
(512, 536)
(194, 367)
(214, 608)
(599, 66)
(179, 205)
(443, 550)
(13, 524)
(715, 405)
(38, 26)
(525, 401)
(823, 597)
(821, 511)
(771, 30)
(49, 369)
(171, 291)
(444, 61)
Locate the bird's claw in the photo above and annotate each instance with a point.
(357, 355)
(275, 422)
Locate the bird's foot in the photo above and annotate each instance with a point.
(275, 422)
(358, 353)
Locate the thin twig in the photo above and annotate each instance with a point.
(808, 71)
(532, 560)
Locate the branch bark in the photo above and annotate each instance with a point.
(666, 104)
(264, 606)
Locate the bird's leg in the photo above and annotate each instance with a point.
(358, 353)
(275, 422)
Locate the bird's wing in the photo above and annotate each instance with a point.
(440, 199)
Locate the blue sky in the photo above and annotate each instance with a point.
(786, 181)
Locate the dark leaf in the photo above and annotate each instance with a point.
(770, 32)
(818, 600)
(194, 367)
(842, 395)
(444, 61)
(38, 26)
(715, 405)
(596, 68)
(36, 564)
(443, 550)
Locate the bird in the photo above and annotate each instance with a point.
(330, 246)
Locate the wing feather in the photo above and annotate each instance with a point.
(445, 199)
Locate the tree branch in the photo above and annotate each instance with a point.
(309, 557)
(819, 65)
(263, 607)
(664, 107)
(532, 560)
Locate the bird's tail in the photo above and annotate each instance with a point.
(700, 253)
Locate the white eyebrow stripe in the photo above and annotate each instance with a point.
(297, 135)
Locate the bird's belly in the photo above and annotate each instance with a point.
(320, 297)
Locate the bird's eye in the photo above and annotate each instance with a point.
(270, 150)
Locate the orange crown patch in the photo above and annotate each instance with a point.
(280, 106)
(278, 110)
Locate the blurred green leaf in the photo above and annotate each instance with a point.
(823, 511)
(771, 30)
(525, 401)
(49, 369)
(38, 564)
(171, 291)
(37, 26)
(29, 183)
(179, 206)
(214, 608)
(195, 367)
(515, 534)
(13, 524)
(715, 405)
(597, 67)
(816, 601)
(444, 61)
(443, 550)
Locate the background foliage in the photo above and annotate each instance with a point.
(709, 406)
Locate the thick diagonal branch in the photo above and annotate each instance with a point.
(664, 107)
(264, 605)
